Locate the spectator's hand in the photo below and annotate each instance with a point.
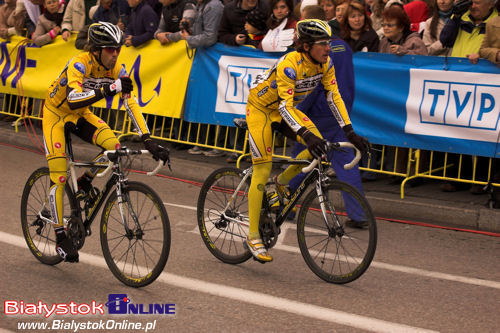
(395, 48)
(473, 58)
(460, 7)
(163, 37)
(128, 41)
(240, 39)
(184, 34)
(120, 25)
(4, 33)
(65, 35)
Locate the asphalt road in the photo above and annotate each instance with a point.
(422, 279)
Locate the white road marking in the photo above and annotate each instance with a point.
(397, 268)
(252, 297)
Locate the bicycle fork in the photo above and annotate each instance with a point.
(335, 227)
(123, 200)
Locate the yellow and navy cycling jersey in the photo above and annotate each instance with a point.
(80, 85)
(289, 81)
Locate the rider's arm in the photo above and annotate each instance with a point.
(333, 97)
(133, 110)
(286, 73)
(76, 97)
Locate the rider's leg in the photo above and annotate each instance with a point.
(55, 146)
(94, 130)
(293, 170)
(260, 140)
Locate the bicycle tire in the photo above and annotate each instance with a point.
(148, 247)
(39, 235)
(225, 239)
(352, 249)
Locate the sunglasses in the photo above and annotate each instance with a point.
(111, 50)
(322, 43)
(389, 25)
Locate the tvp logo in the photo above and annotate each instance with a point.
(457, 105)
(236, 74)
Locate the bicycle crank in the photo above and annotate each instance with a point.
(268, 231)
(76, 231)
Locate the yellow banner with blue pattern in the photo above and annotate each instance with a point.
(160, 73)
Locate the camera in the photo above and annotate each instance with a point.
(460, 7)
(185, 26)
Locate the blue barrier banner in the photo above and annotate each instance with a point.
(219, 82)
(428, 102)
(421, 102)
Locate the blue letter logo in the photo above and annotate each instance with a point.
(117, 303)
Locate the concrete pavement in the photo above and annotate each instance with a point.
(424, 203)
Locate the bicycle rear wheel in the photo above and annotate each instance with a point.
(136, 255)
(223, 225)
(343, 253)
(39, 234)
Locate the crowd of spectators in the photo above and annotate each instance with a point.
(461, 28)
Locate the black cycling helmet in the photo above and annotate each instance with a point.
(311, 30)
(104, 34)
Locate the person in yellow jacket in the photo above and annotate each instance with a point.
(86, 79)
(271, 105)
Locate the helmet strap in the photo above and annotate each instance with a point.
(98, 58)
(308, 54)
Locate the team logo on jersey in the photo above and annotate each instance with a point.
(268, 149)
(290, 91)
(100, 121)
(57, 145)
(63, 82)
(290, 72)
(248, 112)
(62, 179)
(80, 67)
(333, 81)
(305, 119)
(274, 85)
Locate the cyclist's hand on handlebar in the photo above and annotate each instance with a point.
(358, 141)
(315, 145)
(157, 151)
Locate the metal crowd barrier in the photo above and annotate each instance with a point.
(407, 163)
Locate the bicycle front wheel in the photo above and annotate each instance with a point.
(135, 239)
(336, 252)
(35, 211)
(223, 215)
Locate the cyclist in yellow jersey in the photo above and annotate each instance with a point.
(86, 79)
(271, 105)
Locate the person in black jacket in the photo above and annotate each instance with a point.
(143, 23)
(172, 13)
(232, 24)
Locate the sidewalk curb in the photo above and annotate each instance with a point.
(384, 205)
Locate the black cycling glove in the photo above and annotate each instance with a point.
(315, 145)
(127, 85)
(358, 141)
(158, 152)
(123, 84)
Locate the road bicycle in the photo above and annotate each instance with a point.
(134, 230)
(333, 250)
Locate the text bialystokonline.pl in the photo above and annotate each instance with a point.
(75, 326)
